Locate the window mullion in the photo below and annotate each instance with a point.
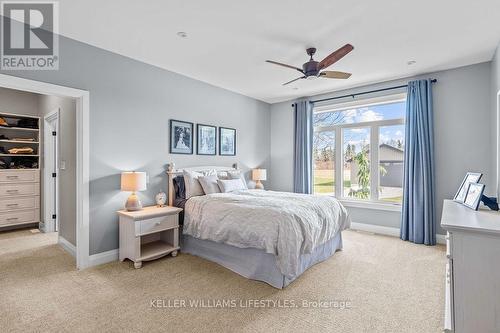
(339, 165)
(374, 162)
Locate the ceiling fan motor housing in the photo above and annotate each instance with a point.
(310, 68)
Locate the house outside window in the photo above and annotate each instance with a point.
(362, 144)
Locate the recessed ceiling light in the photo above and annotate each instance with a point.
(411, 62)
(182, 34)
(295, 88)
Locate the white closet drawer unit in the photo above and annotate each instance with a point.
(32, 202)
(11, 190)
(20, 217)
(16, 176)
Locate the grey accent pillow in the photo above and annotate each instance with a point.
(209, 184)
(231, 185)
(192, 184)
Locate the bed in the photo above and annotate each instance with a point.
(262, 235)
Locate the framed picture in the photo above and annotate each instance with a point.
(473, 196)
(470, 177)
(181, 137)
(227, 141)
(206, 139)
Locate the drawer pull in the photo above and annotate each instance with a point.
(12, 191)
(12, 177)
(12, 218)
(12, 205)
(158, 223)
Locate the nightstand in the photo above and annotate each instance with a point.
(149, 234)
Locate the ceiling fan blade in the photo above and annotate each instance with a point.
(335, 75)
(335, 56)
(302, 77)
(284, 65)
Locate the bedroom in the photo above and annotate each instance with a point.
(205, 64)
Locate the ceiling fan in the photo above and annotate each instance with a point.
(313, 69)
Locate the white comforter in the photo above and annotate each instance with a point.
(284, 224)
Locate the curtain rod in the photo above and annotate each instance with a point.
(363, 93)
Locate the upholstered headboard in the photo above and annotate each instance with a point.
(173, 172)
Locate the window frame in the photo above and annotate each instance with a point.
(374, 127)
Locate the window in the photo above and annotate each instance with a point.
(358, 149)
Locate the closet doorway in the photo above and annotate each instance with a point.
(81, 176)
(51, 170)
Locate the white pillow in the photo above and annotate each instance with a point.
(237, 175)
(211, 172)
(231, 185)
(209, 184)
(192, 184)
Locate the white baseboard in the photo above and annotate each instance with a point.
(103, 257)
(66, 245)
(388, 231)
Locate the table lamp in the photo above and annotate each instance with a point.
(258, 175)
(133, 181)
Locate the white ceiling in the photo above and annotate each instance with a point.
(229, 40)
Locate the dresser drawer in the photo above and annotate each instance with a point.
(20, 217)
(449, 254)
(11, 190)
(19, 203)
(15, 176)
(156, 224)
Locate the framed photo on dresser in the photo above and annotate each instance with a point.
(470, 177)
(181, 137)
(227, 141)
(473, 196)
(206, 139)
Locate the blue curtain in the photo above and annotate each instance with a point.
(418, 222)
(302, 169)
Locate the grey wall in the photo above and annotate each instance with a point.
(67, 154)
(130, 106)
(463, 133)
(495, 106)
(19, 102)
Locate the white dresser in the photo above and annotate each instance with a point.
(472, 270)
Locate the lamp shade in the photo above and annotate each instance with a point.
(259, 174)
(133, 181)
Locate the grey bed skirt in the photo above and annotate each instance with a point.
(256, 264)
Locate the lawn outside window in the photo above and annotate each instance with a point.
(358, 150)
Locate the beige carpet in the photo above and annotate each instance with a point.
(391, 286)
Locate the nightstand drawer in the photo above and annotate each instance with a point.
(157, 224)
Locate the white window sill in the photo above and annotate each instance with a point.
(371, 205)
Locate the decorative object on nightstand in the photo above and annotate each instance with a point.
(149, 234)
(161, 199)
(133, 181)
(257, 176)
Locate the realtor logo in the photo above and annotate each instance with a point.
(29, 35)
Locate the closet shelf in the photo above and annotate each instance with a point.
(23, 155)
(20, 128)
(19, 141)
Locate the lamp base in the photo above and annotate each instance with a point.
(259, 185)
(133, 203)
